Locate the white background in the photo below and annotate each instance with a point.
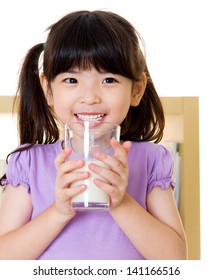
(179, 46)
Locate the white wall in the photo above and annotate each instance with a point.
(178, 36)
(174, 32)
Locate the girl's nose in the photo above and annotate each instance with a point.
(90, 97)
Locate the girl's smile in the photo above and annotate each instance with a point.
(90, 116)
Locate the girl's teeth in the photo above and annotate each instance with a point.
(90, 117)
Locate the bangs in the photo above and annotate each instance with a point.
(89, 40)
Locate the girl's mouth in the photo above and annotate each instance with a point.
(90, 117)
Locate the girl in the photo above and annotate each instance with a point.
(92, 67)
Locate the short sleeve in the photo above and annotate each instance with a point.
(161, 174)
(17, 172)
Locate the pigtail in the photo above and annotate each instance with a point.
(152, 112)
(36, 120)
(145, 122)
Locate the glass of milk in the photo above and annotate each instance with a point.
(84, 138)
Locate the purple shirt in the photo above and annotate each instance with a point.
(90, 235)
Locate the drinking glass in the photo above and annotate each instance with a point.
(84, 138)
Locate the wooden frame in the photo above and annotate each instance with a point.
(188, 109)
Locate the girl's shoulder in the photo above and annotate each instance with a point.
(151, 154)
(149, 148)
(30, 160)
(24, 157)
(37, 150)
(156, 161)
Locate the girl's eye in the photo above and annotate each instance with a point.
(71, 81)
(109, 81)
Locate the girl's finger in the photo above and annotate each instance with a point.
(120, 155)
(62, 157)
(106, 173)
(127, 146)
(121, 151)
(69, 166)
(73, 191)
(72, 177)
(109, 189)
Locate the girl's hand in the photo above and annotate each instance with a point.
(116, 175)
(65, 177)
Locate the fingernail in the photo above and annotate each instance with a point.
(91, 166)
(114, 140)
(96, 153)
(86, 174)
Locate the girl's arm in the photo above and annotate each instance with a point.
(156, 234)
(23, 238)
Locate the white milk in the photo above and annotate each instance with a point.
(93, 198)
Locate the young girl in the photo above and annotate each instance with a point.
(92, 67)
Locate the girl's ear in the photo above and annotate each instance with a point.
(138, 90)
(46, 89)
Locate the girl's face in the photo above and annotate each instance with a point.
(81, 95)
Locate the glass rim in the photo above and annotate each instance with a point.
(114, 126)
